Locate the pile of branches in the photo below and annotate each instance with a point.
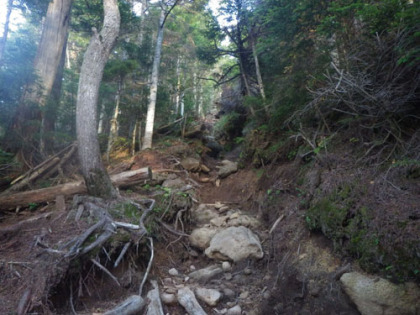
(375, 93)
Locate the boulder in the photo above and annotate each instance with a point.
(204, 213)
(201, 237)
(209, 296)
(235, 219)
(190, 164)
(227, 168)
(235, 243)
(377, 296)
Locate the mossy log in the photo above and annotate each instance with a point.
(123, 179)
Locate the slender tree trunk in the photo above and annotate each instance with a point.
(200, 102)
(257, 70)
(101, 119)
(113, 133)
(178, 87)
(151, 109)
(3, 40)
(96, 178)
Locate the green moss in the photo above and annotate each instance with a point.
(355, 232)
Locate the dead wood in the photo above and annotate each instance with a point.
(48, 167)
(124, 179)
(168, 128)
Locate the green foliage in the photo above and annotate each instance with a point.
(229, 126)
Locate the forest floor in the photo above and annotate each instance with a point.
(298, 273)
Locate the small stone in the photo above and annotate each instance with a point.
(266, 295)
(206, 274)
(226, 266)
(209, 296)
(218, 205)
(244, 295)
(223, 311)
(173, 272)
(186, 279)
(170, 290)
(229, 293)
(193, 253)
(167, 281)
(236, 310)
(223, 209)
(168, 298)
(247, 271)
(192, 267)
(228, 276)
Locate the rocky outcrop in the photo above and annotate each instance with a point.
(235, 243)
(377, 296)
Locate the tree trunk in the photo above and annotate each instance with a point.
(257, 70)
(3, 40)
(96, 178)
(151, 109)
(178, 86)
(113, 132)
(28, 119)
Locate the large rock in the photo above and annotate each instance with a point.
(227, 168)
(377, 296)
(201, 237)
(235, 219)
(191, 164)
(204, 213)
(235, 243)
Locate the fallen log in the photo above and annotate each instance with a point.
(123, 179)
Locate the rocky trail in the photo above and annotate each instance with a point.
(219, 242)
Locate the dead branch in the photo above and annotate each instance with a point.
(37, 171)
(149, 266)
(120, 257)
(48, 194)
(106, 271)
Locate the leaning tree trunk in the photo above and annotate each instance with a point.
(96, 178)
(151, 109)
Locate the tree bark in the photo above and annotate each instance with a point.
(151, 109)
(96, 178)
(257, 70)
(50, 49)
(3, 40)
(28, 120)
(123, 179)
